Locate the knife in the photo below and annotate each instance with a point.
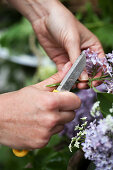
(73, 74)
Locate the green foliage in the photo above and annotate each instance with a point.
(48, 158)
(106, 100)
(8, 161)
(105, 35)
(16, 37)
(101, 24)
(106, 7)
(46, 72)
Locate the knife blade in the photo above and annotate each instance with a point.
(73, 74)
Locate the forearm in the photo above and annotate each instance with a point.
(33, 10)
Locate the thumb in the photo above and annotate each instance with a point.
(73, 49)
(56, 78)
(74, 52)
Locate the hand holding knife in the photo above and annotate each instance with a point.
(65, 85)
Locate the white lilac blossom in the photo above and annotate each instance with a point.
(111, 109)
(98, 145)
(88, 98)
(95, 111)
(80, 136)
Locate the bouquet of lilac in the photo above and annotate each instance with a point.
(96, 139)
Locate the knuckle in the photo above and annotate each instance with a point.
(52, 121)
(51, 103)
(79, 101)
(76, 100)
(72, 116)
(43, 144)
(73, 40)
(44, 141)
(40, 142)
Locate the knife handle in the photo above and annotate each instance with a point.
(55, 90)
(20, 153)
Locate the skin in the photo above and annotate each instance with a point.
(62, 36)
(30, 116)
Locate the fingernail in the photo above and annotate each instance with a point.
(83, 76)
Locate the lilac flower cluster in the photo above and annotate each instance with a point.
(83, 111)
(94, 64)
(109, 85)
(98, 145)
(88, 98)
(110, 58)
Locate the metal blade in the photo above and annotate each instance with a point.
(73, 74)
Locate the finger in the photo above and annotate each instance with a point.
(56, 78)
(73, 49)
(57, 129)
(97, 83)
(67, 101)
(83, 76)
(83, 80)
(83, 85)
(97, 47)
(66, 116)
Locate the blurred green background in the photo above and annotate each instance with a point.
(24, 62)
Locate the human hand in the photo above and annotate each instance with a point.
(62, 36)
(30, 116)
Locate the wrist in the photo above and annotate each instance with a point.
(34, 10)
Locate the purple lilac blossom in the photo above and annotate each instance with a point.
(110, 58)
(98, 145)
(94, 64)
(109, 85)
(88, 98)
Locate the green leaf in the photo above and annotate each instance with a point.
(106, 7)
(106, 100)
(55, 140)
(53, 85)
(49, 159)
(96, 90)
(16, 37)
(105, 33)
